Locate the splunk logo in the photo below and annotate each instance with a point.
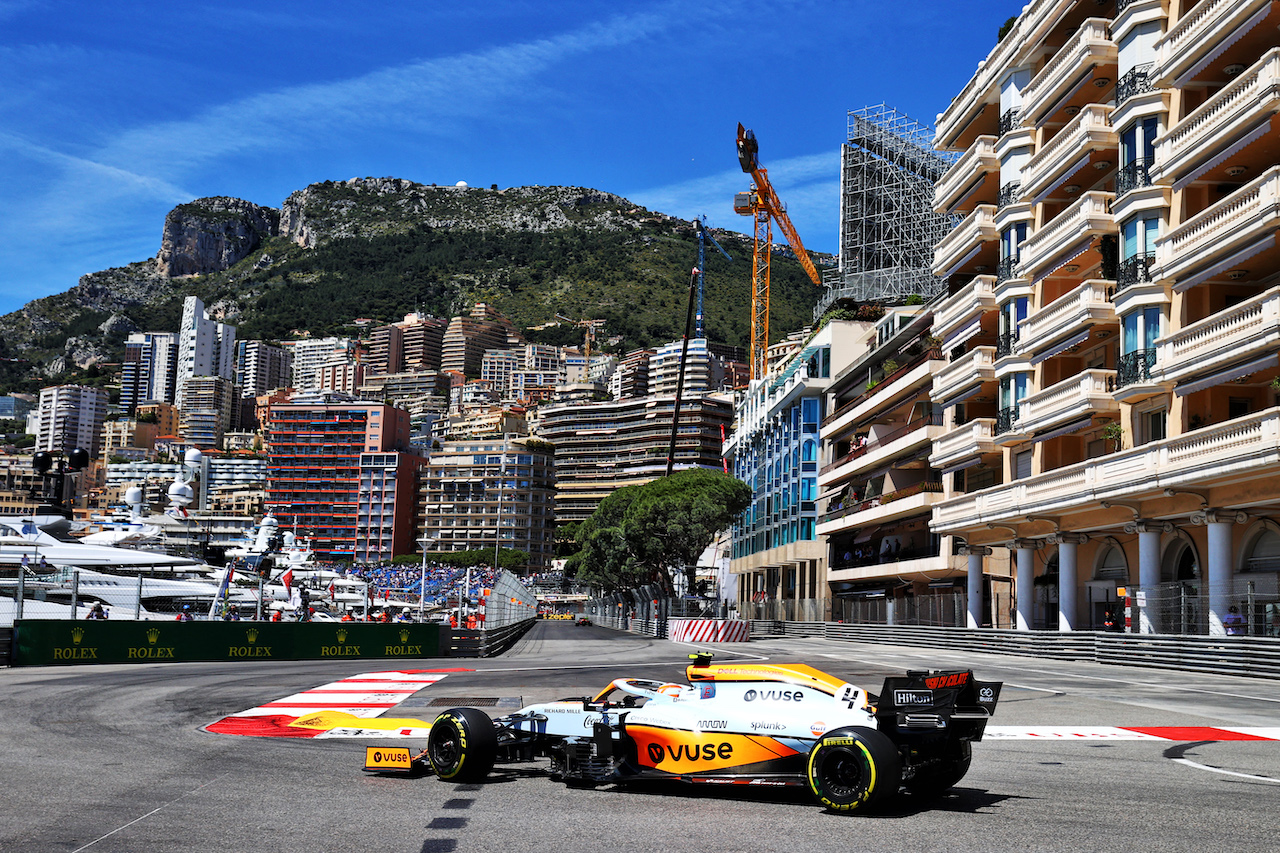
(773, 696)
(689, 752)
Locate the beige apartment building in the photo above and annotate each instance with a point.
(1111, 329)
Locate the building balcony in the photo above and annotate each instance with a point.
(903, 503)
(1223, 125)
(974, 367)
(1088, 137)
(1087, 393)
(1090, 47)
(885, 392)
(1135, 270)
(965, 240)
(975, 438)
(907, 439)
(1248, 446)
(1133, 175)
(1231, 340)
(958, 314)
(1238, 226)
(1007, 422)
(1202, 29)
(1069, 233)
(967, 177)
(1066, 319)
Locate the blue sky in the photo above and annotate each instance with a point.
(113, 113)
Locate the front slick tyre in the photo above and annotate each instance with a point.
(854, 769)
(462, 745)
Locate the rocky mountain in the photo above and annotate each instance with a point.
(377, 248)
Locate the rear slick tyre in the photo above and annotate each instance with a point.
(462, 745)
(854, 768)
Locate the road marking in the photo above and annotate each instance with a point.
(308, 714)
(1194, 764)
(1158, 733)
(148, 814)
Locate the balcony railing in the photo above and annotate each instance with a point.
(1009, 120)
(849, 508)
(1005, 344)
(881, 380)
(1132, 176)
(1135, 81)
(1006, 420)
(1135, 367)
(888, 438)
(1009, 194)
(1006, 269)
(1134, 270)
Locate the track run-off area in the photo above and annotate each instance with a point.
(254, 755)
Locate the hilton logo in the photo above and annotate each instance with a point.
(153, 634)
(77, 634)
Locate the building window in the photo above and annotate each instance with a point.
(1011, 240)
(1012, 312)
(1138, 252)
(1139, 331)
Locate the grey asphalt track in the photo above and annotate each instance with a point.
(115, 758)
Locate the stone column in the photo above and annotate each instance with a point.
(975, 553)
(1148, 568)
(1220, 571)
(1068, 578)
(1025, 550)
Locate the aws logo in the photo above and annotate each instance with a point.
(773, 696)
(689, 752)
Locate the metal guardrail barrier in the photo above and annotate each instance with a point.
(476, 643)
(1250, 656)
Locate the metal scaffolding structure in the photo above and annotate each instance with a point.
(888, 228)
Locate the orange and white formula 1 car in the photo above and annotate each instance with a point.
(739, 724)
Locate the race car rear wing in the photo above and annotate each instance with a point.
(920, 705)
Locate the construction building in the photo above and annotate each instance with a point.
(1111, 425)
(888, 227)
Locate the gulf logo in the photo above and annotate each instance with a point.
(818, 728)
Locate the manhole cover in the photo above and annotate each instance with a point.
(462, 701)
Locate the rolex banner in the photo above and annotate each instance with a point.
(40, 642)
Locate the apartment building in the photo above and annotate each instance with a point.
(149, 370)
(602, 446)
(261, 367)
(209, 410)
(885, 565)
(315, 465)
(776, 553)
(468, 337)
(205, 347)
(71, 416)
(1110, 415)
(489, 494)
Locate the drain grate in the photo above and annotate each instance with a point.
(463, 701)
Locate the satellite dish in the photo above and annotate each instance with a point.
(461, 184)
(193, 457)
(180, 494)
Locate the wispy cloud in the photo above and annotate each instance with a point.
(808, 185)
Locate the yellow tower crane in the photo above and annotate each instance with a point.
(762, 204)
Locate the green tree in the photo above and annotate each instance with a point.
(642, 534)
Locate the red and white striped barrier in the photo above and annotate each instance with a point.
(708, 631)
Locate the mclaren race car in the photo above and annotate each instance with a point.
(737, 724)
